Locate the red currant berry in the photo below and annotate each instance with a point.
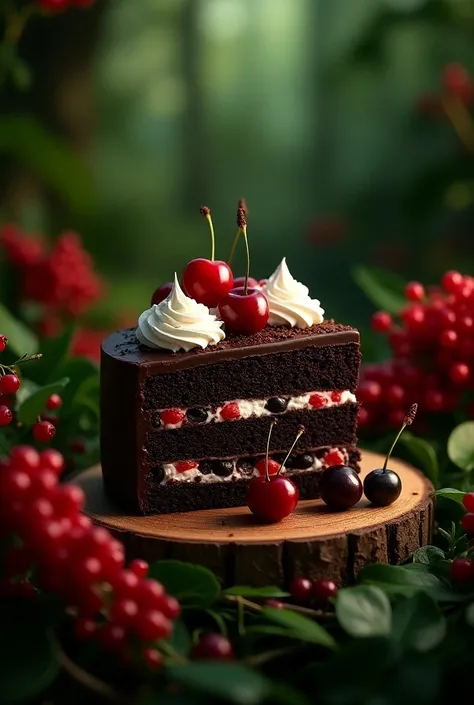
(244, 313)
(112, 637)
(52, 460)
(334, 457)
(25, 457)
(161, 293)
(468, 501)
(14, 484)
(78, 446)
(459, 372)
(151, 625)
(89, 604)
(317, 401)
(153, 659)
(273, 466)
(214, 647)
(170, 607)
(324, 589)
(448, 338)
(230, 411)
(272, 500)
(462, 570)
(452, 281)
(369, 392)
(467, 522)
(123, 612)
(9, 384)
(276, 604)
(395, 417)
(457, 81)
(434, 400)
(381, 322)
(185, 465)
(6, 416)
(240, 282)
(125, 584)
(54, 402)
(172, 417)
(43, 431)
(139, 567)
(149, 594)
(395, 394)
(363, 417)
(465, 324)
(300, 589)
(69, 500)
(414, 291)
(84, 628)
(3, 342)
(414, 317)
(207, 281)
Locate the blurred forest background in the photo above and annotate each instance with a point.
(119, 121)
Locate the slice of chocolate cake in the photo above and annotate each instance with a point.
(188, 430)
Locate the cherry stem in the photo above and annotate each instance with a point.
(298, 436)
(234, 245)
(213, 237)
(267, 474)
(247, 273)
(405, 424)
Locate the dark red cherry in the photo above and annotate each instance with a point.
(161, 293)
(244, 313)
(382, 487)
(240, 281)
(272, 500)
(340, 487)
(207, 281)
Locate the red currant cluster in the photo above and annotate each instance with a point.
(82, 564)
(305, 590)
(462, 569)
(239, 301)
(54, 6)
(62, 280)
(432, 346)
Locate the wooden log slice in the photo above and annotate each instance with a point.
(313, 541)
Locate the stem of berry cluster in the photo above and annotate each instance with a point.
(23, 358)
(298, 436)
(460, 119)
(316, 614)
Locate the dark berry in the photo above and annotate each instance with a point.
(382, 487)
(246, 466)
(43, 431)
(158, 473)
(161, 293)
(468, 501)
(277, 405)
(340, 487)
(206, 467)
(3, 342)
(303, 461)
(462, 570)
(9, 384)
(153, 659)
(324, 589)
(301, 589)
(276, 604)
(213, 646)
(196, 415)
(467, 522)
(223, 468)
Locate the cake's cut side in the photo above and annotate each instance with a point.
(201, 419)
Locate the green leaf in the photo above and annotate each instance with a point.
(450, 493)
(55, 352)
(424, 455)
(469, 614)
(180, 639)
(50, 157)
(418, 623)
(192, 585)
(78, 369)
(233, 682)
(428, 555)
(29, 660)
(299, 625)
(247, 591)
(364, 611)
(384, 289)
(401, 580)
(461, 446)
(20, 339)
(34, 405)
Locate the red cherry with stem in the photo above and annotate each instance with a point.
(273, 497)
(241, 208)
(301, 589)
(204, 280)
(161, 293)
(240, 282)
(3, 342)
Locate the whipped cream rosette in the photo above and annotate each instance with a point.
(289, 301)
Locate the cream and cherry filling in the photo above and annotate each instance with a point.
(247, 408)
(225, 470)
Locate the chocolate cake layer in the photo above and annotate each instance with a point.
(323, 427)
(188, 497)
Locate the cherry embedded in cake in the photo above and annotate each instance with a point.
(186, 403)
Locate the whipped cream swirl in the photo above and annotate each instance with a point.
(178, 323)
(289, 301)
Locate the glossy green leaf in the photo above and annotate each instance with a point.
(384, 289)
(418, 623)
(49, 157)
(34, 405)
(248, 591)
(364, 611)
(192, 585)
(20, 339)
(55, 352)
(424, 456)
(469, 614)
(461, 446)
(79, 370)
(180, 639)
(450, 493)
(428, 555)
(301, 626)
(232, 682)
(401, 580)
